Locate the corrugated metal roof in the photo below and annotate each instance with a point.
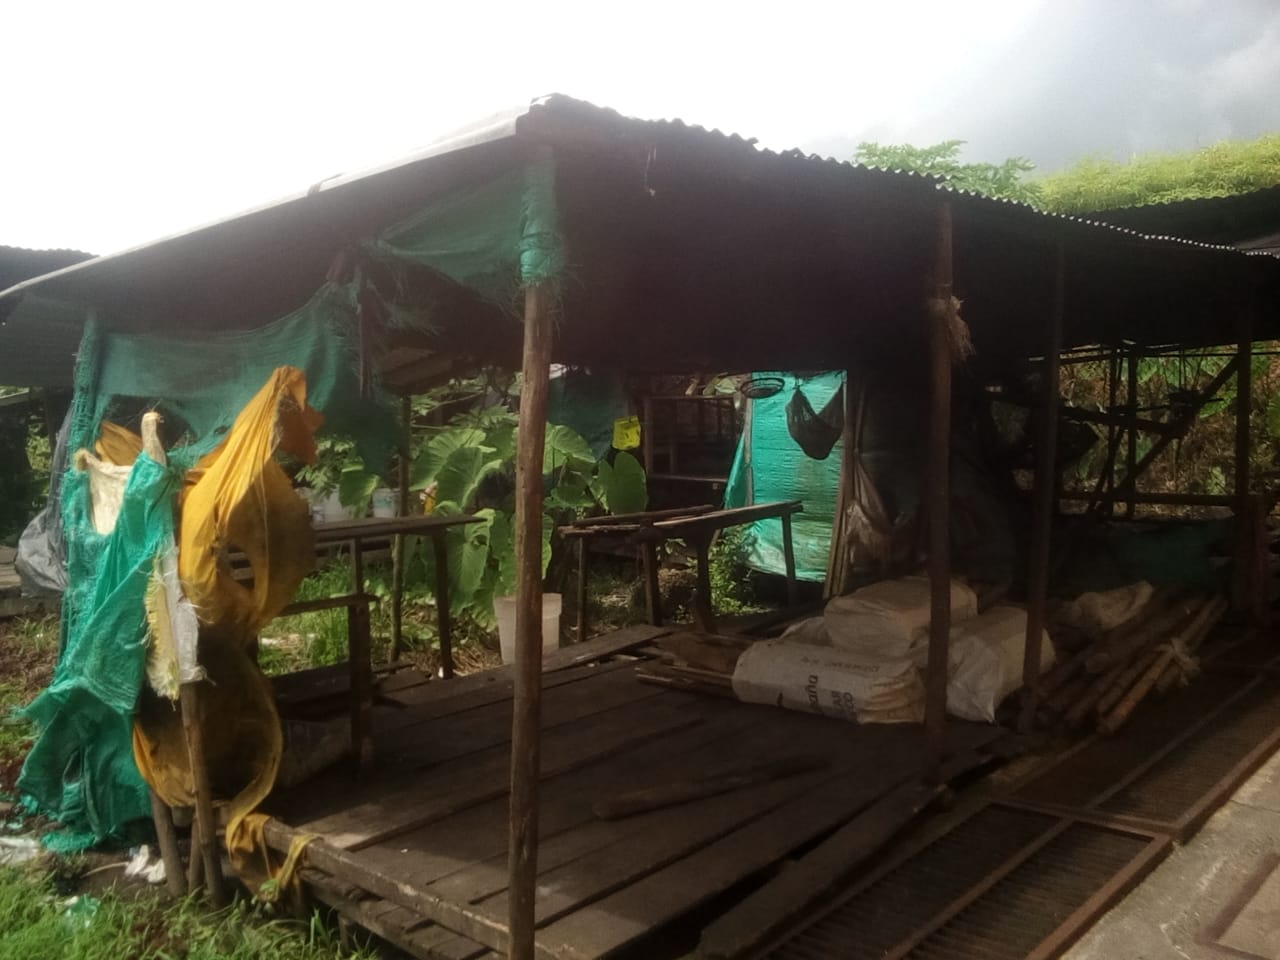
(37, 348)
(1246, 221)
(255, 266)
(22, 263)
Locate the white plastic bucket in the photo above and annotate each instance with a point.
(332, 510)
(504, 608)
(384, 502)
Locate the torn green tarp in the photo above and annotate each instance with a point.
(494, 239)
(769, 466)
(80, 769)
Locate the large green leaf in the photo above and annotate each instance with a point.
(564, 445)
(570, 493)
(467, 569)
(432, 458)
(502, 549)
(502, 438)
(356, 486)
(461, 475)
(622, 487)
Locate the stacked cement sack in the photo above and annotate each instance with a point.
(863, 658)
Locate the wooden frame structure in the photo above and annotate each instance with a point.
(674, 233)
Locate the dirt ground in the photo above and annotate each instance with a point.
(28, 650)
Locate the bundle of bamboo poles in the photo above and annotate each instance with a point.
(1104, 681)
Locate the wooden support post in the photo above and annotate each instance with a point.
(1113, 431)
(444, 618)
(360, 673)
(583, 554)
(1243, 587)
(646, 434)
(1128, 485)
(939, 493)
(398, 545)
(652, 589)
(837, 579)
(789, 560)
(1131, 461)
(704, 613)
(527, 707)
(167, 840)
(195, 863)
(1046, 487)
(206, 821)
(359, 663)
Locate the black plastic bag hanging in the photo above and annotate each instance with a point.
(816, 433)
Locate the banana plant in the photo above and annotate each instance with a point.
(470, 468)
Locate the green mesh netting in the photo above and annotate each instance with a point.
(494, 239)
(769, 465)
(80, 770)
(204, 379)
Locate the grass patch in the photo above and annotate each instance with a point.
(28, 650)
(35, 921)
(319, 639)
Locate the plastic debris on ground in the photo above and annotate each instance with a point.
(15, 851)
(142, 866)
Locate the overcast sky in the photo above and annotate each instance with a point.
(126, 121)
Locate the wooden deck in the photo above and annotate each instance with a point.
(417, 852)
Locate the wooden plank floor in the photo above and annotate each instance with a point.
(427, 832)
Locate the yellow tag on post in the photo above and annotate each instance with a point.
(626, 433)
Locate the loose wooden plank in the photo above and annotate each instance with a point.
(424, 702)
(597, 648)
(396, 925)
(393, 770)
(626, 845)
(600, 857)
(652, 843)
(473, 842)
(675, 792)
(767, 910)
(460, 734)
(629, 914)
(484, 775)
(340, 863)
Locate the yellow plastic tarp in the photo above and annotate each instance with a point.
(237, 498)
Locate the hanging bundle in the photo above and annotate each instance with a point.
(816, 433)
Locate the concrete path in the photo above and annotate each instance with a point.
(1216, 898)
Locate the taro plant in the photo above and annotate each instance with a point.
(469, 467)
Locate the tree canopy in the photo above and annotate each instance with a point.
(1222, 170)
(942, 160)
(1094, 183)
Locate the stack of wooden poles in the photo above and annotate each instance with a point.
(1104, 681)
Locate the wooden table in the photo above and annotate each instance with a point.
(697, 526)
(359, 640)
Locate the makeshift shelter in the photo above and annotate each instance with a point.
(625, 243)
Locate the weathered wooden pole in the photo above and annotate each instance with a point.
(1243, 584)
(1113, 430)
(167, 840)
(1131, 460)
(939, 492)
(1044, 496)
(526, 717)
(206, 820)
(1244, 391)
(397, 547)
